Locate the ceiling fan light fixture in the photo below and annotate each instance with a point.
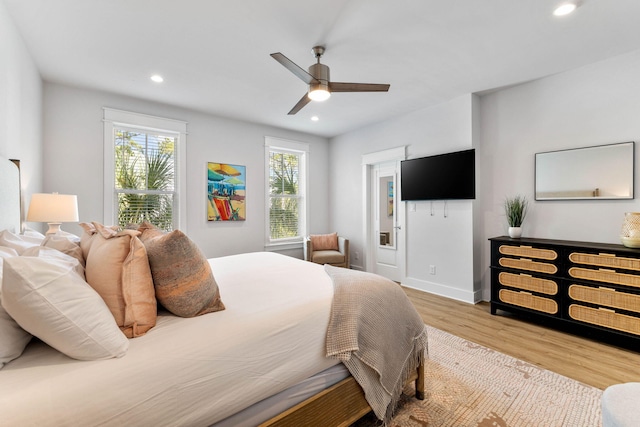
(319, 95)
(320, 85)
(319, 92)
(565, 8)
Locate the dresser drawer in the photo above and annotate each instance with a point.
(607, 297)
(528, 252)
(605, 260)
(527, 282)
(605, 318)
(528, 265)
(528, 300)
(605, 276)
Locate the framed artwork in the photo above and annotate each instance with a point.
(226, 192)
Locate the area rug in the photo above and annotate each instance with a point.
(471, 385)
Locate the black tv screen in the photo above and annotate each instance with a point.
(442, 177)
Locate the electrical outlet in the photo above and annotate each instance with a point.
(356, 255)
(432, 269)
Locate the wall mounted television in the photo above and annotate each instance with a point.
(449, 176)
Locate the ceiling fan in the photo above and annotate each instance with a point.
(320, 87)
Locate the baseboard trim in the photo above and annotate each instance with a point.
(470, 297)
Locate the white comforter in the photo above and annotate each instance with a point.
(187, 372)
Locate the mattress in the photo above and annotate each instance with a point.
(192, 372)
(280, 402)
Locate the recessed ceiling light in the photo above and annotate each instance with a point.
(315, 118)
(157, 78)
(565, 9)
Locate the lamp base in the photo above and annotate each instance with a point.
(54, 227)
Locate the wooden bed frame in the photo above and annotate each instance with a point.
(339, 405)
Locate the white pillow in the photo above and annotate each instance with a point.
(6, 252)
(69, 236)
(51, 253)
(20, 242)
(48, 299)
(65, 244)
(30, 232)
(13, 339)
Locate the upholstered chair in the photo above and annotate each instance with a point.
(327, 249)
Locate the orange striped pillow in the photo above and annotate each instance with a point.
(324, 242)
(182, 275)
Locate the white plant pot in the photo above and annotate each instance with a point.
(515, 232)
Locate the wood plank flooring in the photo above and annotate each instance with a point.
(584, 360)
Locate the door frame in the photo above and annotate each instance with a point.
(368, 161)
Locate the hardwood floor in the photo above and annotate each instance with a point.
(584, 360)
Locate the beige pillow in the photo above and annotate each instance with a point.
(324, 242)
(118, 269)
(89, 234)
(181, 273)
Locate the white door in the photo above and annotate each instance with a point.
(387, 239)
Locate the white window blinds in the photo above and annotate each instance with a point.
(144, 177)
(144, 170)
(286, 190)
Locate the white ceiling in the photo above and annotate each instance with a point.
(214, 54)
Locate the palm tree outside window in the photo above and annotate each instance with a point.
(144, 177)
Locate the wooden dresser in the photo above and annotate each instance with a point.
(592, 289)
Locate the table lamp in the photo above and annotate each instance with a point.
(53, 209)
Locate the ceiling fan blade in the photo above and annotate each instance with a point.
(303, 101)
(358, 87)
(294, 68)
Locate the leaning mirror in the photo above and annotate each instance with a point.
(387, 212)
(600, 172)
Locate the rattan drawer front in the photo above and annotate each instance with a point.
(605, 260)
(607, 318)
(606, 276)
(527, 300)
(605, 296)
(529, 265)
(529, 252)
(528, 283)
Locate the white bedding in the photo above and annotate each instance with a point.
(190, 372)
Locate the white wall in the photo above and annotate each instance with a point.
(592, 105)
(446, 243)
(73, 149)
(20, 105)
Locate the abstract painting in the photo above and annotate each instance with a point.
(226, 192)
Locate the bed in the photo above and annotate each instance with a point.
(259, 361)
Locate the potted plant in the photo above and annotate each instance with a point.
(516, 209)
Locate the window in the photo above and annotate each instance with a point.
(286, 189)
(143, 170)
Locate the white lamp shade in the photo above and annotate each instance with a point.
(54, 208)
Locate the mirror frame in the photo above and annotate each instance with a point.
(384, 209)
(591, 171)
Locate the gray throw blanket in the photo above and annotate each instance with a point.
(377, 333)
